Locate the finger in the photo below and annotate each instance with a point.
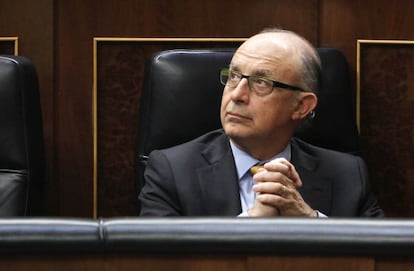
(280, 165)
(272, 171)
(276, 177)
(271, 188)
(273, 200)
(288, 169)
(293, 173)
(260, 209)
(266, 176)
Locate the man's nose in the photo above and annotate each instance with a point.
(242, 91)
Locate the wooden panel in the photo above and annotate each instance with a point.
(309, 263)
(200, 263)
(177, 262)
(386, 91)
(394, 264)
(78, 22)
(120, 69)
(51, 263)
(121, 262)
(342, 23)
(9, 46)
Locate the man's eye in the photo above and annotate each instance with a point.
(260, 82)
(234, 76)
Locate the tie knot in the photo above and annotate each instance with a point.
(255, 169)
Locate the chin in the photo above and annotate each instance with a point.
(235, 131)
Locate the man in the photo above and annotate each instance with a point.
(270, 88)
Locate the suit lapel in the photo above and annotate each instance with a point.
(218, 180)
(316, 189)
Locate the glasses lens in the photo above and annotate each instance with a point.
(261, 86)
(224, 76)
(234, 78)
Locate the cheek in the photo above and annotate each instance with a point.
(267, 118)
(273, 112)
(224, 102)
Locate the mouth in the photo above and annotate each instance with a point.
(231, 116)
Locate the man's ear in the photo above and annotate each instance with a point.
(307, 101)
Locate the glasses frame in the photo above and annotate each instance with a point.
(276, 84)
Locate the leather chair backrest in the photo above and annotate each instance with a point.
(182, 94)
(22, 159)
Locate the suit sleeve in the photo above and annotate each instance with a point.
(158, 196)
(369, 204)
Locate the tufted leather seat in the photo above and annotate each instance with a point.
(21, 139)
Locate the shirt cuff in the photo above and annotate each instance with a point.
(321, 215)
(244, 214)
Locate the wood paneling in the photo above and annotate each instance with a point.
(201, 262)
(9, 45)
(386, 91)
(120, 69)
(341, 24)
(394, 264)
(258, 263)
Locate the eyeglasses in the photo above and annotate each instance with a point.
(261, 86)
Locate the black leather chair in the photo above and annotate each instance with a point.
(182, 94)
(22, 160)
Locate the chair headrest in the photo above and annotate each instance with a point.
(182, 96)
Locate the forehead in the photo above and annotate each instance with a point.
(266, 52)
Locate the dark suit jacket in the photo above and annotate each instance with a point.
(199, 178)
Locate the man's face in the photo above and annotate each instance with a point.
(248, 118)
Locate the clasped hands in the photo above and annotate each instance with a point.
(277, 194)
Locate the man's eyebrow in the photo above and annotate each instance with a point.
(233, 66)
(263, 73)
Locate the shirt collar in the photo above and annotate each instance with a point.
(245, 161)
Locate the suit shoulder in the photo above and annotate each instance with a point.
(207, 148)
(320, 151)
(198, 143)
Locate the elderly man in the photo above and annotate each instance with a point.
(270, 88)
